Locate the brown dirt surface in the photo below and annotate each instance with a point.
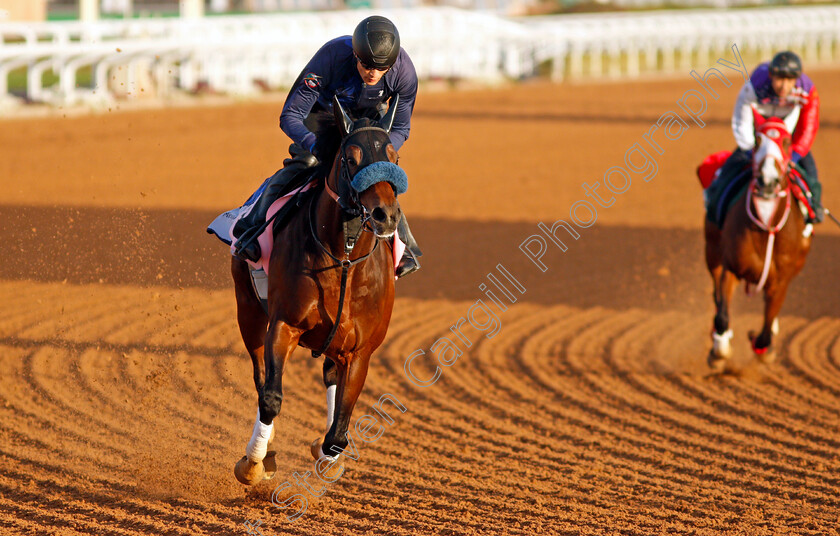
(126, 395)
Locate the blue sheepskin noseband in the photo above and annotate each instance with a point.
(378, 172)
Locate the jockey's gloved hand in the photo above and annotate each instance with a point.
(318, 149)
(795, 157)
(300, 155)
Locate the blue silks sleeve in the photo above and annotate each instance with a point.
(405, 84)
(304, 94)
(332, 71)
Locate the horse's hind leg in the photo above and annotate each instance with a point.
(251, 317)
(721, 334)
(762, 344)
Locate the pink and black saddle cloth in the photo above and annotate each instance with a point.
(223, 225)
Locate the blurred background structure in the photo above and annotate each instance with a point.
(95, 51)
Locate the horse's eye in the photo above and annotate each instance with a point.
(352, 162)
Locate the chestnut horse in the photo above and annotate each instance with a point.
(330, 288)
(762, 242)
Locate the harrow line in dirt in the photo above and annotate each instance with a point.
(733, 417)
(643, 432)
(818, 373)
(113, 492)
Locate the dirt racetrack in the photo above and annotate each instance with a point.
(126, 395)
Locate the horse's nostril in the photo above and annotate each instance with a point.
(378, 214)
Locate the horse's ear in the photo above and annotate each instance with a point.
(345, 124)
(387, 120)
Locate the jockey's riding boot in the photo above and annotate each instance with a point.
(733, 169)
(409, 262)
(250, 226)
(815, 200)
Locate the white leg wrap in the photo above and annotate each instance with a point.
(721, 342)
(775, 327)
(330, 406)
(323, 456)
(258, 445)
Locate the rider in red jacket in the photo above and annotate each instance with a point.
(779, 89)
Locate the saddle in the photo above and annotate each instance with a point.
(721, 191)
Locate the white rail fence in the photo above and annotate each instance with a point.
(628, 45)
(242, 54)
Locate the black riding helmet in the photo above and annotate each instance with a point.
(786, 65)
(376, 42)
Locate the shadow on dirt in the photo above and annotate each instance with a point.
(615, 267)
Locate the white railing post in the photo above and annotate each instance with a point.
(88, 10)
(192, 9)
(232, 52)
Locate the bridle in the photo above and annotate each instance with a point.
(355, 220)
(355, 216)
(768, 205)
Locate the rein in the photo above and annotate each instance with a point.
(351, 230)
(771, 231)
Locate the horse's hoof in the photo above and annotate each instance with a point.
(271, 437)
(248, 472)
(270, 464)
(721, 347)
(315, 448)
(767, 356)
(716, 362)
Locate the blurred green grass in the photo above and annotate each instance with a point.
(18, 83)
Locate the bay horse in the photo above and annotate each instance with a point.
(330, 287)
(762, 242)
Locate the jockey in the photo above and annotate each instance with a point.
(778, 89)
(363, 71)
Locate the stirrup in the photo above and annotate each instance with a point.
(408, 265)
(247, 248)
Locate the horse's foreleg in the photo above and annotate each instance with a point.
(762, 344)
(330, 382)
(351, 379)
(722, 335)
(280, 341)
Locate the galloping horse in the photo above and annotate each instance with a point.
(331, 287)
(762, 242)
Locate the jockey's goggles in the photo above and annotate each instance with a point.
(367, 67)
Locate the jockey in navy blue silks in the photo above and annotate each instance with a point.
(364, 71)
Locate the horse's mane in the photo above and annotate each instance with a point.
(329, 137)
(329, 134)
